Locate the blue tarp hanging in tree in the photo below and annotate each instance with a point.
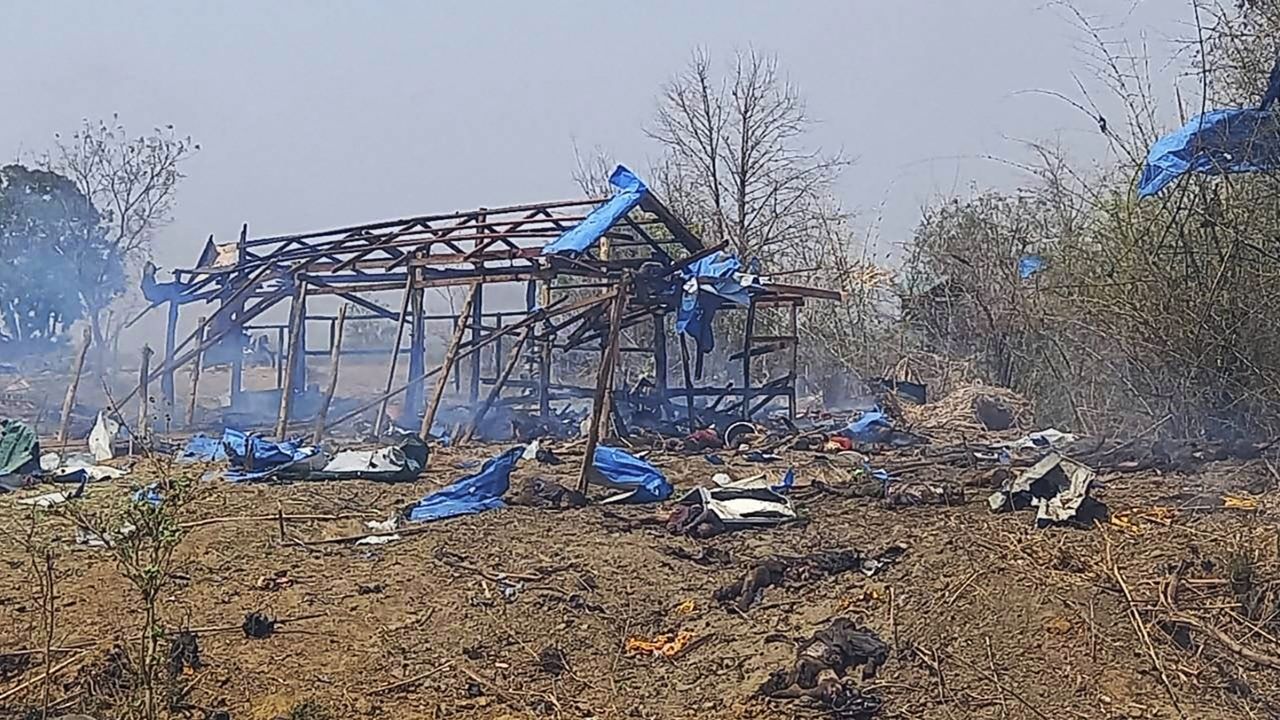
(622, 470)
(1216, 143)
(1029, 265)
(710, 283)
(631, 190)
(473, 493)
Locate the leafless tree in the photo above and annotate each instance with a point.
(131, 180)
(735, 144)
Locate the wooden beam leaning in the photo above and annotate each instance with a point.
(69, 402)
(395, 356)
(297, 316)
(450, 356)
(497, 387)
(335, 357)
(604, 384)
(196, 370)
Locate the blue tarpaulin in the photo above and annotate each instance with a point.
(871, 426)
(472, 494)
(1216, 143)
(622, 470)
(253, 458)
(202, 448)
(710, 283)
(1029, 265)
(575, 240)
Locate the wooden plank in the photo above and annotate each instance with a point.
(297, 317)
(170, 343)
(69, 401)
(393, 360)
(424, 431)
(604, 385)
(688, 379)
(196, 370)
(335, 358)
(498, 384)
(748, 330)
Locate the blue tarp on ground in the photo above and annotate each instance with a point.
(871, 426)
(710, 283)
(1216, 143)
(202, 448)
(472, 494)
(624, 471)
(576, 240)
(253, 458)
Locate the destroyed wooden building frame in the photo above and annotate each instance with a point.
(477, 249)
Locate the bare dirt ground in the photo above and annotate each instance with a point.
(986, 616)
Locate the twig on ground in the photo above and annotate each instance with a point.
(411, 681)
(1141, 628)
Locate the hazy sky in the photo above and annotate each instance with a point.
(313, 114)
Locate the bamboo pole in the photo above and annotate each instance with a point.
(450, 356)
(395, 356)
(604, 383)
(69, 402)
(297, 316)
(142, 427)
(498, 385)
(196, 371)
(335, 357)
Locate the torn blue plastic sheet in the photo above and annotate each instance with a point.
(710, 283)
(578, 238)
(253, 458)
(624, 471)
(872, 426)
(1215, 143)
(1029, 265)
(202, 448)
(472, 494)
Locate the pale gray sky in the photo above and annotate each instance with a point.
(313, 114)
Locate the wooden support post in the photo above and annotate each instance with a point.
(477, 327)
(170, 347)
(417, 355)
(394, 360)
(280, 337)
(142, 430)
(69, 402)
(335, 356)
(498, 384)
(544, 356)
(688, 380)
(604, 385)
(196, 371)
(450, 356)
(795, 362)
(748, 333)
(660, 359)
(297, 313)
(234, 319)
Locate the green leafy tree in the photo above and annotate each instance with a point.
(56, 261)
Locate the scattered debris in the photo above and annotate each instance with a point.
(538, 492)
(1058, 488)
(667, 646)
(553, 661)
(822, 666)
(102, 437)
(780, 570)
(184, 654)
(258, 625)
(705, 512)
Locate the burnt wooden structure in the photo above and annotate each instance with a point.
(572, 302)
